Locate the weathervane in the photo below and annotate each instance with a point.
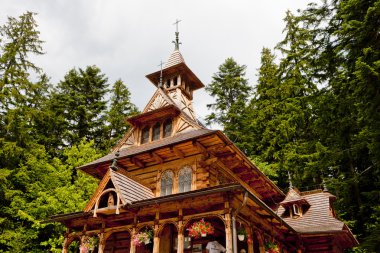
(176, 42)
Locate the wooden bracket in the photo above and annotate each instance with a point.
(178, 152)
(156, 157)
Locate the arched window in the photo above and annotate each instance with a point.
(156, 131)
(167, 128)
(145, 135)
(184, 179)
(167, 183)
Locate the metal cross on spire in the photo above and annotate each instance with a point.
(176, 42)
(160, 84)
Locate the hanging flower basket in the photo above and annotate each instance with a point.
(241, 233)
(89, 243)
(271, 247)
(142, 238)
(201, 228)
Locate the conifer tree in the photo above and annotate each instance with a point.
(231, 91)
(121, 107)
(80, 99)
(262, 121)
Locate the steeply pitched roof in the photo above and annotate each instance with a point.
(317, 218)
(129, 190)
(174, 59)
(293, 196)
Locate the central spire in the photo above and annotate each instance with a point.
(176, 42)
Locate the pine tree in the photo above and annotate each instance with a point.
(231, 90)
(19, 40)
(80, 99)
(261, 119)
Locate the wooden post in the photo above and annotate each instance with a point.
(102, 243)
(181, 238)
(227, 219)
(250, 244)
(261, 242)
(133, 247)
(156, 240)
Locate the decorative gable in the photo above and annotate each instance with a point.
(115, 190)
(159, 100)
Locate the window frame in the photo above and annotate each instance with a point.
(167, 174)
(187, 184)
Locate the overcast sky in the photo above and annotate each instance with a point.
(128, 39)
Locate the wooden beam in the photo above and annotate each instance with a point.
(178, 152)
(238, 170)
(235, 164)
(201, 148)
(209, 161)
(137, 162)
(156, 157)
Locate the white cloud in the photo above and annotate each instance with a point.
(127, 39)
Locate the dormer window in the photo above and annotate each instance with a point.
(296, 210)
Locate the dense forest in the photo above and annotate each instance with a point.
(314, 112)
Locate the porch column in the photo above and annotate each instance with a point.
(261, 242)
(133, 247)
(227, 219)
(156, 240)
(250, 242)
(102, 243)
(181, 238)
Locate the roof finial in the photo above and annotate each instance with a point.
(325, 189)
(114, 162)
(176, 42)
(160, 84)
(290, 181)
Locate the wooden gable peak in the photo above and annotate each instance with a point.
(126, 189)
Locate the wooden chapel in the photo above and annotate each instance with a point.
(170, 172)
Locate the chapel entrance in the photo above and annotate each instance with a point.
(199, 244)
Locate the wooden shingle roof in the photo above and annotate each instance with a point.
(149, 147)
(317, 218)
(129, 190)
(174, 59)
(293, 196)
